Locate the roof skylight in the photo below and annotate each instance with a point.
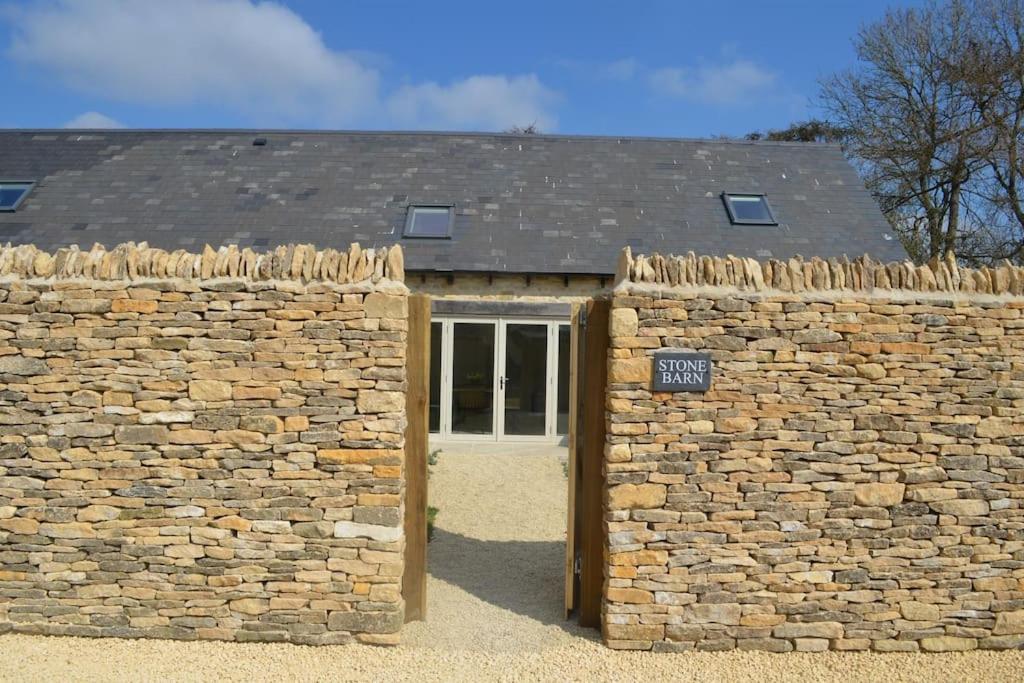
(12, 193)
(748, 209)
(429, 221)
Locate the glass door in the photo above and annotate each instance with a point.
(499, 379)
(473, 378)
(524, 380)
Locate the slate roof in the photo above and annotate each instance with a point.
(532, 204)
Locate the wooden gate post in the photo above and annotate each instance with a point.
(591, 489)
(572, 516)
(414, 578)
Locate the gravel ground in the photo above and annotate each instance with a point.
(497, 561)
(494, 613)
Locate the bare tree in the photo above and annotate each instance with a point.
(991, 73)
(812, 130)
(910, 128)
(530, 129)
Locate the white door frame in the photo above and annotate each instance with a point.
(447, 377)
(551, 373)
(500, 325)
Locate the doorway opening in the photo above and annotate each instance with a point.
(511, 409)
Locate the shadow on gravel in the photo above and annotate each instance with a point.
(525, 577)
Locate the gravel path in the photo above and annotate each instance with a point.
(494, 613)
(497, 561)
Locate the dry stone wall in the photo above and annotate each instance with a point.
(202, 445)
(853, 479)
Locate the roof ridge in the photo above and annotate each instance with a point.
(426, 133)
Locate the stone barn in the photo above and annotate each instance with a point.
(782, 434)
(502, 231)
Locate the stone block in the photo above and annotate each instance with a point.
(189, 436)
(149, 435)
(250, 606)
(358, 456)
(724, 613)
(20, 365)
(244, 393)
(89, 430)
(233, 522)
(622, 322)
(67, 530)
(370, 622)
(879, 494)
(20, 525)
(811, 629)
(377, 516)
(637, 496)
(184, 551)
(239, 437)
(811, 644)
(184, 511)
(98, 513)
(313, 529)
(733, 425)
(267, 424)
(644, 632)
(640, 557)
(630, 370)
(998, 428)
(872, 371)
(296, 423)
(948, 644)
(371, 401)
(1009, 623)
(209, 390)
(132, 306)
(816, 336)
(385, 306)
(376, 532)
(919, 611)
(167, 417)
(966, 507)
(633, 596)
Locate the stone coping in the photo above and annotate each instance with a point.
(797, 275)
(136, 262)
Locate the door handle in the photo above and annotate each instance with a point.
(501, 382)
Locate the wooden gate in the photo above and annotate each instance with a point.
(414, 578)
(584, 557)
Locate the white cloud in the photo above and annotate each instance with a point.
(735, 82)
(621, 69)
(259, 59)
(93, 119)
(478, 102)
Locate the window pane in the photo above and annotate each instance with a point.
(526, 375)
(429, 222)
(473, 378)
(749, 208)
(564, 353)
(435, 377)
(10, 193)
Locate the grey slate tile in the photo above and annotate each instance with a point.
(557, 204)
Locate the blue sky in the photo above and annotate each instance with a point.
(685, 68)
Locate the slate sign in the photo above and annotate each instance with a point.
(682, 371)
